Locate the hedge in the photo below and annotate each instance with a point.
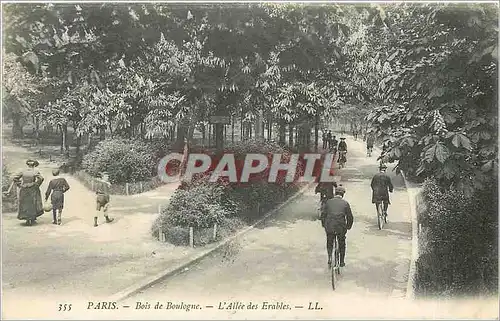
(201, 204)
(93, 183)
(458, 242)
(125, 160)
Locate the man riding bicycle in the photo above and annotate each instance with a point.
(326, 190)
(342, 149)
(336, 219)
(381, 186)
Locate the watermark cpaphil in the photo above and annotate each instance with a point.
(274, 168)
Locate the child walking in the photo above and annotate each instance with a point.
(102, 199)
(57, 187)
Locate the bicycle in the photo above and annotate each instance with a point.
(381, 215)
(335, 266)
(342, 159)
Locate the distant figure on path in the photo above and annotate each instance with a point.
(329, 138)
(30, 197)
(325, 140)
(102, 201)
(57, 186)
(370, 141)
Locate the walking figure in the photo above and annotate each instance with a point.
(329, 139)
(102, 201)
(57, 187)
(30, 197)
(325, 140)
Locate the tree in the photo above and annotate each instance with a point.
(441, 90)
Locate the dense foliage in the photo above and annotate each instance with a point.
(459, 248)
(124, 161)
(200, 204)
(442, 93)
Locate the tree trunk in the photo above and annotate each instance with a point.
(111, 130)
(219, 137)
(316, 133)
(102, 133)
(297, 136)
(181, 135)
(17, 128)
(232, 129)
(290, 135)
(282, 132)
(242, 128)
(190, 133)
(203, 133)
(37, 130)
(63, 137)
(209, 135)
(78, 143)
(259, 130)
(89, 141)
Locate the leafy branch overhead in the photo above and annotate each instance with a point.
(422, 76)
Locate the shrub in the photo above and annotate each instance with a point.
(200, 207)
(200, 203)
(459, 246)
(125, 161)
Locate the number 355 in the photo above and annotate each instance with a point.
(65, 307)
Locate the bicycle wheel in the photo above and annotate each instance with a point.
(337, 256)
(380, 220)
(334, 267)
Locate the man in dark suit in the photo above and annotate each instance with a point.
(381, 186)
(337, 219)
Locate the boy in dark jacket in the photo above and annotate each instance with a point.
(57, 187)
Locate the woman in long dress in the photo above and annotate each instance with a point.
(30, 197)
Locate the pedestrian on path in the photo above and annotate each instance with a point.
(336, 219)
(57, 187)
(325, 140)
(102, 200)
(30, 197)
(370, 141)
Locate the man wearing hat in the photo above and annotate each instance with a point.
(57, 187)
(30, 197)
(381, 186)
(337, 219)
(342, 149)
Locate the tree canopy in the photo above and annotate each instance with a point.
(422, 76)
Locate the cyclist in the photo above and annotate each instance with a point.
(385, 148)
(381, 184)
(370, 140)
(335, 142)
(325, 189)
(336, 219)
(342, 149)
